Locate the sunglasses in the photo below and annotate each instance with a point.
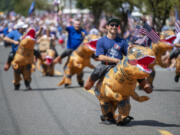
(113, 24)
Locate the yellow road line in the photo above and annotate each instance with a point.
(164, 132)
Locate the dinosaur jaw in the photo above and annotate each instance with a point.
(49, 60)
(144, 62)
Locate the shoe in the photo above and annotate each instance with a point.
(125, 121)
(66, 85)
(176, 78)
(108, 119)
(6, 67)
(89, 84)
(16, 87)
(146, 86)
(27, 84)
(81, 84)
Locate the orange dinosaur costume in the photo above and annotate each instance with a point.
(119, 84)
(159, 50)
(79, 60)
(23, 60)
(48, 56)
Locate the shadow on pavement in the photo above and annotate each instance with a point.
(153, 123)
(69, 87)
(39, 89)
(166, 90)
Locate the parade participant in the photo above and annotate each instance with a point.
(76, 35)
(14, 37)
(176, 52)
(23, 60)
(110, 50)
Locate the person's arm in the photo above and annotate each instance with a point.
(38, 33)
(9, 40)
(107, 59)
(177, 45)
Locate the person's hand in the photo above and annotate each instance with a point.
(143, 19)
(83, 33)
(117, 61)
(130, 46)
(16, 42)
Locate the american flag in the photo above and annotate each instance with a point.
(151, 33)
(139, 30)
(177, 22)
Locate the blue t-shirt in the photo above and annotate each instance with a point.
(113, 48)
(5, 31)
(75, 37)
(14, 35)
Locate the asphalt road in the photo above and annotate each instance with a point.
(51, 110)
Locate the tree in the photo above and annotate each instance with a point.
(95, 6)
(160, 10)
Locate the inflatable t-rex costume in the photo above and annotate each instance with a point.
(119, 84)
(159, 50)
(79, 60)
(48, 56)
(23, 60)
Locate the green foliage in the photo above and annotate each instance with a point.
(21, 6)
(160, 10)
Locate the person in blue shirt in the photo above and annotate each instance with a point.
(110, 50)
(14, 38)
(76, 35)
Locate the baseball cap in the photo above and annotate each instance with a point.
(20, 24)
(116, 20)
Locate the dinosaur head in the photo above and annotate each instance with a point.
(137, 64)
(49, 57)
(89, 45)
(161, 48)
(28, 40)
(90, 41)
(166, 34)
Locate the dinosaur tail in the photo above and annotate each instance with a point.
(61, 82)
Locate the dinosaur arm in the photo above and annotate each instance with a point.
(77, 64)
(138, 98)
(111, 94)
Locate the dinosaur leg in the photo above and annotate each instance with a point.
(17, 79)
(67, 80)
(150, 79)
(38, 65)
(80, 80)
(124, 108)
(108, 110)
(27, 76)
